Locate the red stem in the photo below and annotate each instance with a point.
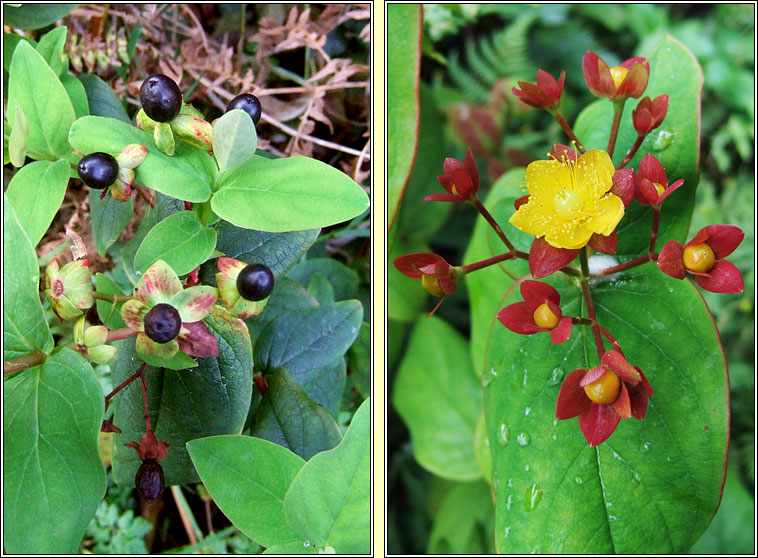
(569, 132)
(631, 152)
(121, 333)
(125, 383)
(144, 397)
(651, 256)
(618, 109)
(493, 260)
(491, 220)
(23, 362)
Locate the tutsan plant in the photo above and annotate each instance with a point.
(240, 375)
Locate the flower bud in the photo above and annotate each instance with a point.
(193, 130)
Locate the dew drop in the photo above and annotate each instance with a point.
(645, 447)
(493, 372)
(527, 410)
(510, 483)
(306, 544)
(524, 382)
(578, 480)
(662, 140)
(555, 422)
(532, 497)
(554, 437)
(612, 517)
(507, 531)
(637, 477)
(523, 438)
(505, 434)
(509, 502)
(527, 468)
(556, 377)
(497, 483)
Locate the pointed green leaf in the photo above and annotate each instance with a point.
(248, 479)
(109, 219)
(234, 139)
(51, 45)
(24, 327)
(52, 476)
(328, 503)
(344, 279)
(102, 100)
(278, 195)
(34, 16)
(18, 138)
(36, 193)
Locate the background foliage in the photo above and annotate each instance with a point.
(472, 56)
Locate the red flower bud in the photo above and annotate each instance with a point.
(629, 79)
(461, 180)
(540, 311)
(437, 276)
(652, 182)
(650, 114)
(545, 95)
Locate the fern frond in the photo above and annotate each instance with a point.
(473, 88)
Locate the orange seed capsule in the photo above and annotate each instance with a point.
(605, 389)
(698, 257)
(544, 317)
(432, 285)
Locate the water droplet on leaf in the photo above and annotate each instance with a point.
(662, 140)
(505, 434)
(523, 438)
(578, 480)
(556, 377)
(532, 497)
(645, 447)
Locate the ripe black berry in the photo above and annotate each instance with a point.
(149, 480)
(162, 323)
(98, 170)
(255, 282)
(249, 103)
(160, 97)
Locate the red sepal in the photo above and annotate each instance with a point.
(598, 423)
(670, 260)
(545, 259)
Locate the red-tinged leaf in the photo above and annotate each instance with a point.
(198, 341)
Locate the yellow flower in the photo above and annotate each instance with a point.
(570, 200)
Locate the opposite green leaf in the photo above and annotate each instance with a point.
(436, 369)
(24, 327)
(109, 219)
(36, 193)
(328, 503)
(51, 45)
(76, 94)
(278, 195)
(289, 418)
(34, 16)
(403, 63)
(187, 175)
(102, 100)
(47, 106)
(110, 313)
(234, 139)
(18, 138)
(53, 478)
(180, 240)
(248, 479)
(311, 338)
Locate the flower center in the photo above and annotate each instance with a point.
(568, 204)
(605, 389)
(698, 257)
(544, 317)
(618, 73)
(57, 288)
(432, 285)
(455, 190)
(659, 188)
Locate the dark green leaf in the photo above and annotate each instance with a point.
(287, 295)
(311, 338)
(464, 522)
(109, 218)
(320, 289)
(109, 313)
(287, 416)
(403, 63)
(103, 101)
(24, 327)
(36, 192)
(53, 479)
(324, 385)
(291, 194)
(76, 94)
(359, 361)
(211, 399)
(344, 279)
(34, 16)
(187, 175)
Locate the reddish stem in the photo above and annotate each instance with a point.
(651, 255)
(125, 383)
(120, 333)
(493, 260)
(260, 383)
(144, 398)
(631, 152)
(491, 220)
(618, 109)
(23, 362)
(149, 199)
(590, 306)
(188, 206)
(569, 132)
(611, 339)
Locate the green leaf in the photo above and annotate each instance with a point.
(404, 24)
(234, 139)
(278, 251)
(18, 138)
(211, 399)
(179, 361)
(278, 195)
(102, 100)
(248, 479)
(311, 338)
(676, 144)
(320, 289)
(24, 327)
(287, 416)
(10, 42)
(110, 314)
(325, 385)
(34, 16)
(287, 295)
(359, 361)
(46, 106)
(51, 45)
(109, 219)
(328, 503)
(77, 94)
(52, 476)
(464, 522)
(187, 175)
(440, 399)
(180, 240)
(654, 485)
(36, 193)
(343, 279)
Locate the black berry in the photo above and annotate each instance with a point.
(255, 282)
(98, 170)
(149, 480)
(160, 97)
(249, 103)
(162, 323)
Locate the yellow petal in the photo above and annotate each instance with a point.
(610, 210)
